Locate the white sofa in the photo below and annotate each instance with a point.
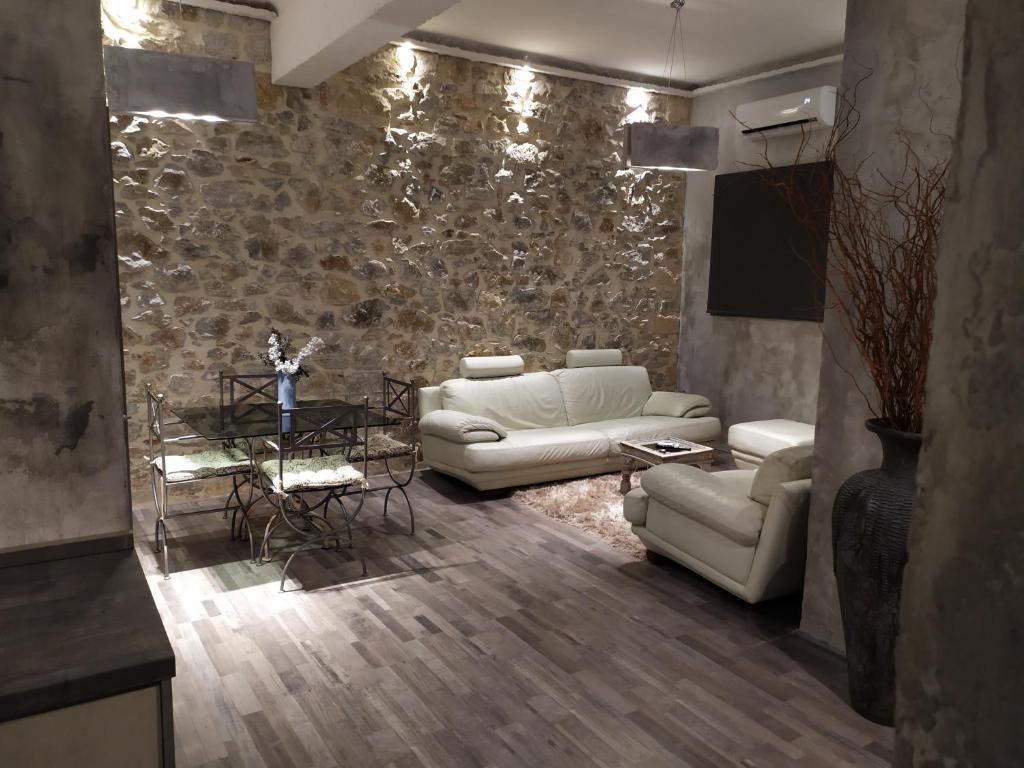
(498, 427)
(744, 529)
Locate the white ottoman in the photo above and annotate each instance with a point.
(751, 442)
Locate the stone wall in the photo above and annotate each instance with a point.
(959, 665)
(909, 53)
(751, 368)
(63, 459)
(412, 209)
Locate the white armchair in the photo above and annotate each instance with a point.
(744, 530)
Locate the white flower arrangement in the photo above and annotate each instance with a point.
(276, 355)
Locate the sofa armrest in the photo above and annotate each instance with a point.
(678, 404)
(459, 427)
(634, 507)
(778, 567)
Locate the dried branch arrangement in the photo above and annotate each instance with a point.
(883, 234)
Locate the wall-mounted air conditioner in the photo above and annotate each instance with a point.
(792, 113)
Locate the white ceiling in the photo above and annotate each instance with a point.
(723, 38)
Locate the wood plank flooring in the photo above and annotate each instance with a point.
(493, 637)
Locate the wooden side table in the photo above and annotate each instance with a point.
(647, 452)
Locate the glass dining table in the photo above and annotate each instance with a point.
(249, 422)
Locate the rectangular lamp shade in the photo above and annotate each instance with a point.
(667, 147)
(175, 85)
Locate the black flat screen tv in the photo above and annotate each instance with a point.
(766, 260)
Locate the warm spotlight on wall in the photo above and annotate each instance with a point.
(406, 57)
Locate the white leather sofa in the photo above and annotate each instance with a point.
(498, 427)
(744, 529)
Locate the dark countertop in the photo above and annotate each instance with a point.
(75, 630)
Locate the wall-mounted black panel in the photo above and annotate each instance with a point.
(769, 248)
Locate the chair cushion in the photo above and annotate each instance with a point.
(739, 480)
(530, 401)
(317, 473)
(609, 392)
(705, 499)
(380, 446)
(644, 427)
(760, 438)
(676, 404)
(535, 448)
(781, 467)
(204, 464)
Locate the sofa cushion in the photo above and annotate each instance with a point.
(535, 448)
(530, 401)
(490, 367)
(759, 438)
(596, 394)
(645, 427)
(676, 404)
(705, 499)
(462, 427)
(585, 358)
(739, 480)
(781, 467)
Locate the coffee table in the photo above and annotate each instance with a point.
(637, 453)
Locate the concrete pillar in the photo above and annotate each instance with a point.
(63, 456)
(906, 58)
(960, 666)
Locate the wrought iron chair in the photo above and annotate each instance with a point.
(167, 470)
(395, 436)
(248, 391)
(246, 395)
(313, 457)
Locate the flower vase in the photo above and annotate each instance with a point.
(870, 524)
(286, 397)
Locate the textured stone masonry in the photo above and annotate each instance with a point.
(408, 216)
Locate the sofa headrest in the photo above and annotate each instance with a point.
(590, 358)
(491, 367)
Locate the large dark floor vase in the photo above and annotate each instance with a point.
(870, 524)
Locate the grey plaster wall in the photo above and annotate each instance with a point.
(63, 461)
(750, 368)
(959, 664)
(911, 53)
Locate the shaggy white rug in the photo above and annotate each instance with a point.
(592, 504)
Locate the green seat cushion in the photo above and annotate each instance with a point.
(314, 474)
(204, 464)
(380, 446)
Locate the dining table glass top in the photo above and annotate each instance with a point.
(254, 420)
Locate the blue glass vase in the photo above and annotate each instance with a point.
(286, 396)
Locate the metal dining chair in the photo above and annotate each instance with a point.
(313, 457)
(394, 436)
(169, 469)
(246, 396)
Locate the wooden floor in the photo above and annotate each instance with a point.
(493, 637)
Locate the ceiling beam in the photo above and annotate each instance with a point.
(314, 39)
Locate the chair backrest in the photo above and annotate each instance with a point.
(247, 390)
(321, 430)
(782, 466)
(398, 397)
(155, 427)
